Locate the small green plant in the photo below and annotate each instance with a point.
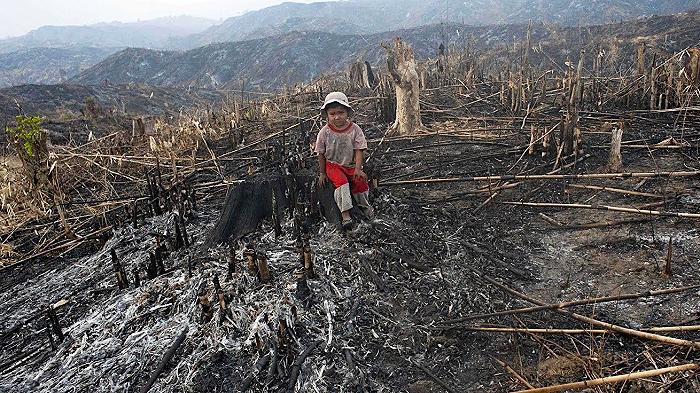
(27, 132)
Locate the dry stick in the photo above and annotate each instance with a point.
(259, 365)
(552, 172)
(164, 362)
(616, 190)
(591, 321)
(583, 302)
(542, 177)
(513, 373)
(602, 224)
(605, 207)
(294, 373)
(61, 246)
(693, 328)
(613, 379)
(433, 376)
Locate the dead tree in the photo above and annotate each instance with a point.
(361, 74)
(402, 68)
(691, 70)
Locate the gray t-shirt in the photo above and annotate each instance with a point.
(339, 146)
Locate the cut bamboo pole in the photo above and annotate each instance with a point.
(595, 300)
(595, 322)
(613, 379)
(542, 177)
(615, 190)
(605, 207)
(663, 329)
(513, 373)
(615, 157)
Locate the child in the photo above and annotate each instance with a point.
(341, 148)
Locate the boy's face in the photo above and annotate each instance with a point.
(337, 116)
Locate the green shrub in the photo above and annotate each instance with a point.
(27, 133)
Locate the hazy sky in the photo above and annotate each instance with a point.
(20, 16)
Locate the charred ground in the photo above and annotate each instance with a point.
(387, 304)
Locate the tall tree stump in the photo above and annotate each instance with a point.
(402, 68)
(615, 158)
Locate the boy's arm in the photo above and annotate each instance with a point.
(359, 162)
(321, 169)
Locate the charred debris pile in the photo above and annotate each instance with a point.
(538, 231)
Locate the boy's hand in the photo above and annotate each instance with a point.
(361, 174)
(322, 179)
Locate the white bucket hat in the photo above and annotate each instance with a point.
(338, 97)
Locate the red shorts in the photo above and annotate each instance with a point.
(339, 175)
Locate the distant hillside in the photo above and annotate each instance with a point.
(149, 34)
(373, 16)
(294, 57)
(48, 65)
(65, 100)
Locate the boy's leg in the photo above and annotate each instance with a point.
(360, 190)
(340, 181)
(343, 198)
(362, 201)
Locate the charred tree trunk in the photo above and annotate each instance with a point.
(402, 67)
(259, 198)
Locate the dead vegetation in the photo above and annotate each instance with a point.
(483, 271)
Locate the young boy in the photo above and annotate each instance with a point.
(341, 148)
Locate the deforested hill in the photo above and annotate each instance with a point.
(385, 15)
(290, 58)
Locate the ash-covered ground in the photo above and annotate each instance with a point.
(379, 313)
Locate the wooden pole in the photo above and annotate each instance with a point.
(542, 177)
(604, 207)
(595, 322)
(595, 300)
(613, 379)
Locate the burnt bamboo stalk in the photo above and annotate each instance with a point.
(669, 257)
(612, 379)
(572, 331)
(259, 365)
(543, 177)
(263, 268)
(615, 190)
(434, 377)
(582, 302)
(55, 325)
(164, 361)
(513, 373)
(595, 322)
(605, 207)
(296, 367)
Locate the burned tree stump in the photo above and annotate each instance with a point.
(615, 158)
(402, 67)
(260, 198)
(361, 74)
